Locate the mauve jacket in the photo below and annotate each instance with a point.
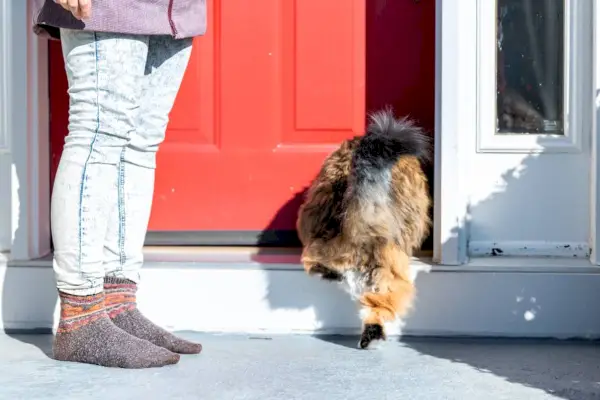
(179, 18)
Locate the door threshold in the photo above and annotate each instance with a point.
(233, 254)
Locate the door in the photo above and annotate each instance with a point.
(270, 91)
(272, 88)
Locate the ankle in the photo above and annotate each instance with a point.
(120, 295)
(78, 311)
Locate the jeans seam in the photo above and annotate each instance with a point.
(121, 205)
(84, 177)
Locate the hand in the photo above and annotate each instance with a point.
(81, 9)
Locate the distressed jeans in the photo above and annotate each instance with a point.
(121, 91)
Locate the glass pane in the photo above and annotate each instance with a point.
(530, 72)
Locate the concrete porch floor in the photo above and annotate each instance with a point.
(302, 367)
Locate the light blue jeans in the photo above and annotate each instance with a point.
(122, 89)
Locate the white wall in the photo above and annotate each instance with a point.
(266, 298)
(531, 195)
(5, 160)
(24, 136)
(5, 201)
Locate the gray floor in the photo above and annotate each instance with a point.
(302, 367)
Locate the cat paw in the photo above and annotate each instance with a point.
(373, 337)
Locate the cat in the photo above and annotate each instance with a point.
(364, 215)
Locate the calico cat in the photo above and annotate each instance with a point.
(364, 215)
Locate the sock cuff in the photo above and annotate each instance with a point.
(120, 295)
(119, 285)
(71, 300)
(113, 280)
(77, 311)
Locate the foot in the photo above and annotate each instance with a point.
(86, 335)
(121, 306)
(135, 323)
(372, 337)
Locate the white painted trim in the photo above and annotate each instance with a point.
(5, 73)
(28, 126)
(529, 249)
(595, 139)
(454, 126)
(487, 297)
(577, 30)
(5, 112)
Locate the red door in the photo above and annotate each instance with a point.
(271, 90)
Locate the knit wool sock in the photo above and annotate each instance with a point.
(86, 335)
(122, 309)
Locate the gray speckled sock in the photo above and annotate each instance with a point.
(86, 335)
(122, 309)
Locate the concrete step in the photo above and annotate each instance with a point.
(266, 291)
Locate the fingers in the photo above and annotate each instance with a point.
(73, 6)
(85, 8)
(81, 9)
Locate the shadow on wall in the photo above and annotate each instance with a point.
(29, 291)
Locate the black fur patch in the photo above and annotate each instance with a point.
(386, 140)
(370, 333)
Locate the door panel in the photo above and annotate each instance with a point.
(272, 89)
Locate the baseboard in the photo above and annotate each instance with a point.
(274, 298)
(529, 249)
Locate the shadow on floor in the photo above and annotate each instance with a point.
(551, 366)
(565, 369)
(29, 299)
(42, 340)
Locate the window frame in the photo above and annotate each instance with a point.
(578, 41)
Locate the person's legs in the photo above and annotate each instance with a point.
(123, 246)
(104, 73)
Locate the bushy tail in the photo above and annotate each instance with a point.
(385, 141)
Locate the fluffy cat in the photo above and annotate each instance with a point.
(364, 215)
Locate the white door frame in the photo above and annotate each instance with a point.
(595, 145)
(24, 67)
(459, 120)
(455, 43)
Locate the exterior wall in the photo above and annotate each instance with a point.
(5, 202)
(526, 202)
(531, 195)
(24, 151)
(5, 159)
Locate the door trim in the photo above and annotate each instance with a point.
(595, 140)
(577, 41)
(27, 125)
(271, 238)
(455, 126)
